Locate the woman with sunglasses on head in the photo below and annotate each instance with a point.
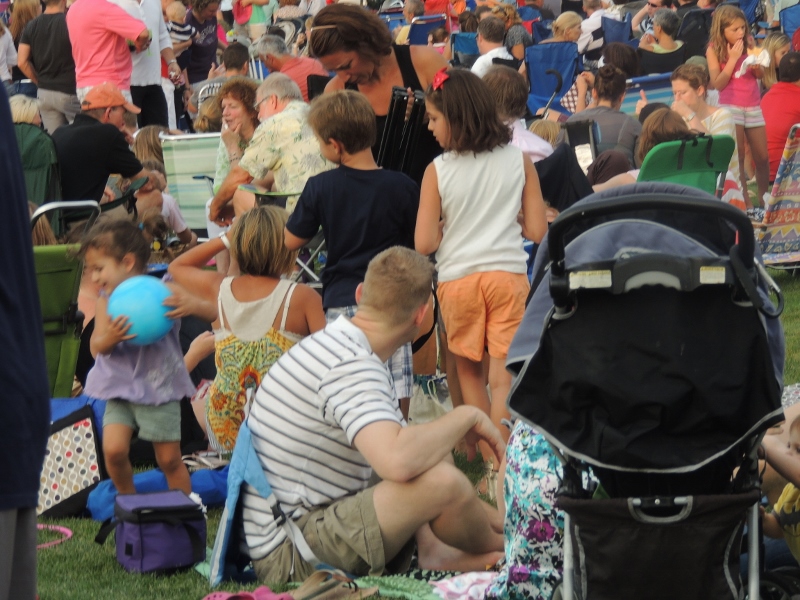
(357, 46)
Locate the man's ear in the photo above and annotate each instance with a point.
(419, 314)
(359, 290)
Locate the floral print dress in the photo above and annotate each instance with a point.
(533, 527)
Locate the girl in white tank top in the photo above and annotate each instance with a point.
(478, 200)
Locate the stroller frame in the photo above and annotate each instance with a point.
(738, 272)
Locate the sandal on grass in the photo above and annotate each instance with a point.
(203, 460)
(331, 585)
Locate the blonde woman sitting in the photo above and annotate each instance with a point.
(260, 316)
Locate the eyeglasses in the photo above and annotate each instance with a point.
(265, 98)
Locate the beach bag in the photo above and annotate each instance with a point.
(73, 465)
(159, 532)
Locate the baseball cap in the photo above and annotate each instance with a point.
(107, 95)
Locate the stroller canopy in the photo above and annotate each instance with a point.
(644, 337)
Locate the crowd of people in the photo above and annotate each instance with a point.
(324, 381)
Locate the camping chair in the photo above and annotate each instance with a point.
(511, 63)
(316, 85)
(528, 13)
(616, 31)
(700, 162)
(39, 163)
(184, 157)
(465, 49)
(657, 87)
(393, 20)
(542, 30)
(694, 31)
(790, 20)
(779, 236)
(422, 26)
(652, 62)
(292, 27)
(210, 90)
(58, 277)
(560, 56)
(582, 133)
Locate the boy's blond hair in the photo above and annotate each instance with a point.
(398, 281)
(345, 116)
(547, 130)
(176, 12)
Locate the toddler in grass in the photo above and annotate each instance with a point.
(143, 385)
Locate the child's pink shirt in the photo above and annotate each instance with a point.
(740, 91)
(98, 30)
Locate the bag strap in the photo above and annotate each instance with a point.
(417, 345)
(106, 528)
(198, 545)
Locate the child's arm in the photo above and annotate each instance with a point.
(428, 232)
(534, 220)
(107, 332)
(188, 270)
(781, 458)
(772, 528)
(201, 347)
(721, 77)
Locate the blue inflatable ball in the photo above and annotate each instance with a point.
(141, 299)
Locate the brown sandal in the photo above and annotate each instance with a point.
(331, 585)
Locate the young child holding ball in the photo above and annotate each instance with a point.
(142, 384)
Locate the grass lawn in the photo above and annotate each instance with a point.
(79, 569)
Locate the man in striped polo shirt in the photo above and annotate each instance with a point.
(326, 416)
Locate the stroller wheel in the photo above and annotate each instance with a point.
(773, 586)
(791, 575)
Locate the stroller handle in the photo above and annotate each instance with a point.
(628, 204)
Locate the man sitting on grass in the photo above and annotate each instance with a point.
(326, 417)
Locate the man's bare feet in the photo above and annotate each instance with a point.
(435, 555)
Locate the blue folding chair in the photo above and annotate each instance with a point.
(422, 26)
(658, 88)
(560, 56)
(528, 13)
(542, 30)
(393, 20)
(751, 8)
(465, 49)
(790, 20)
(616, 31)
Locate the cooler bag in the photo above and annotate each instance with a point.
(157, 532)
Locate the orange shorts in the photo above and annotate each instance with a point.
(482, 310)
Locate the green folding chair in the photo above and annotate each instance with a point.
(58, 276)
(700, 162)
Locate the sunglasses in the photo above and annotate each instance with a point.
(257, 104)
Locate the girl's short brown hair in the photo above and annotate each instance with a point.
(345, 116)
(257, 242)
(117, 238)
(663, 125)
(470, 112)
(147, 145)
(349, 28)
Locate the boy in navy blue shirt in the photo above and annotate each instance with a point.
(361, 208)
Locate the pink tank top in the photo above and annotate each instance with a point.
(741, 91)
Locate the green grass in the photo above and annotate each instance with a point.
(80, 569)
(791, 323)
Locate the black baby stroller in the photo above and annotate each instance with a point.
(651, 353)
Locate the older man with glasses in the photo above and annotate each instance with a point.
(643, 20)
(282, 155)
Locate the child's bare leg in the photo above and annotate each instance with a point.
(500, 386)
(741, 151)
(472, 380)
(168, 457)
(757, 138)
(116, 451)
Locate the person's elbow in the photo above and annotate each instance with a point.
(535, 231)
(291, 241)
(425, 245)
